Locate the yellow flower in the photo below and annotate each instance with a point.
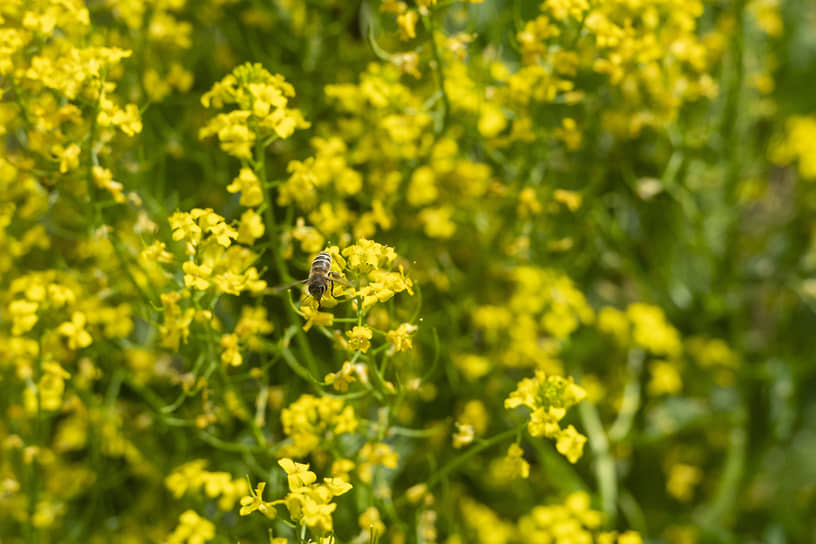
(315, 317)
(184, 227)
(50, 387)
(407, 24)
(614, 323)
(629, 537)
(437, 222)
(68, 157)
(549, 398)
(665, 379)
(254, 501)
(367, 255)
(196, 276)
(308, 419)
(341, 379)
(251, 227)
(650, 330)
(359, 338)
(570, 199)
(528, 203)
(248, 184)
(298, 473)
(24, 316)
(128, 120)
(682, 480)
(375, 453)
(103, 178)
(315, 514)
(186, 477)
(570, 443)
(422, 188)
(492, 121)
(513, 465)
(371, 523)
(231, 354)
(192, 529)
(75, 331)
(337, 486)
(463, 436)
(400, 338)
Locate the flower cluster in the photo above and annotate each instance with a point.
(311, 421)
(308, 502)
(191, 478)
(549, 398)
(613, 190)
(572, 521)
(261, 110)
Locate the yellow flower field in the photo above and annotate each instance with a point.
(407, 271)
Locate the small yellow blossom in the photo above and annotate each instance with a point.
(360, 338)
(298, 474)
(75, 331)
(682, 480)
(251, 227)
(665, 379)
(422, 189)
(373, 454)
(341, 379)
(185, 227)
(371, 524)
(570, 443)
(68, 157)
(50, 388)
(570, 199)
(367, 255)
(103, 178)
(516, 464)
(315, 317)
(549, 398)
(196, 276)
(24, 316)
(401, 337)
(438, 222)
(407, 24)
(254, 501)
(231, 355)
(463, 436)
(128, 119)
(248, 184)
(192, 529)
(492, 121)
(650, 330)
(337, 486)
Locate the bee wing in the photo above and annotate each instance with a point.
(279, 288)
(339, 279)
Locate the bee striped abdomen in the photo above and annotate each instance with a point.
(321, 264)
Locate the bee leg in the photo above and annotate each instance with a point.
(332, 287)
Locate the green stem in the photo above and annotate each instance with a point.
(631, 397)
(428, 20)
(604, 464)
(443, 472)
(716, 514)
(32, 533)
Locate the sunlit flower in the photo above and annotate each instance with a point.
(254, 501)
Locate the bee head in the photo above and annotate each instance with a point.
(317, 290)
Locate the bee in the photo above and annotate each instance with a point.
(321, 278)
